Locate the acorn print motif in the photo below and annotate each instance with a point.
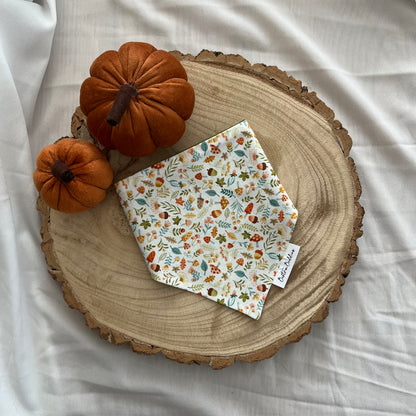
(213, 220)
(200, 203)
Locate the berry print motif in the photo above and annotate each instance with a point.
(213, 220)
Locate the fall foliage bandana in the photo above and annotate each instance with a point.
(213, 220)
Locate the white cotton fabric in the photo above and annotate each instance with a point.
(360, 58)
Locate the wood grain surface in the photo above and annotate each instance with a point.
(104, 274)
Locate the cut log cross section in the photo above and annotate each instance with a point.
(105, 276)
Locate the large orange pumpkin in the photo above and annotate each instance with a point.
(71, 175)
(137, 99)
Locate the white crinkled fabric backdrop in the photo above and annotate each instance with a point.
(360, 58)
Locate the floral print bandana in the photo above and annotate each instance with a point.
(213, 220)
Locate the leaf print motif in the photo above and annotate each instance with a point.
(270, 241)
(204, 266)
(220, 182)
(147, 183)
(221, 238)
(171, 168)
(209, 279)
(246, 235)
(231, 235)
(196, 168)
(231, 180)
(214, 232)
(209, 159)
(172, 209)
(186, 236)
(188, 205)
(196, 288)
(240, 153)
(227, 192)
(237, 207)
(145, 224)
(268, 191)
(141, 201)
(224, 224)
(204, 147)
(281, 216)
(183, 264)
(244, 176)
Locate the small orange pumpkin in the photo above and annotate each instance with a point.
(72, 175)
(137, 99)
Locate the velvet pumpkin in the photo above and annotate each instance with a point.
(137, 99)
(72, 176)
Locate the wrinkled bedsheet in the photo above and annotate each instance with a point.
(360, 58)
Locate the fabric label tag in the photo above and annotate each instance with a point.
(286, 266)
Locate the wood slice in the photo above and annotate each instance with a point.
(104, 274)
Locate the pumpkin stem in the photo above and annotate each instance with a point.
(62, 171)
(124, 95)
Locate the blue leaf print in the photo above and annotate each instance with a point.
(175, 183)
(204, 147)
(168, 260)
(261, 183)
(231, 180)
(196, 156)
(141, 201)
(251, 291)
(196, 275)
(240, 153)
(274, 256)
(176, 250)
(204, 266)
(211, 193)
(188, 205)
(231, 301)
(240, 273)
(252, 170)
(260, 304)
(274, 203)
